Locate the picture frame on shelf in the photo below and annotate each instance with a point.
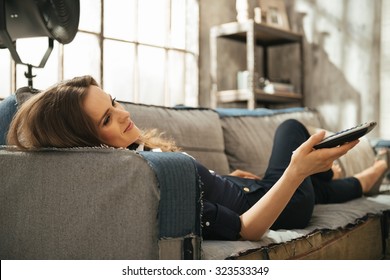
(275, 13)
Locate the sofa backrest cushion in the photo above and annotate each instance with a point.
(249, 134)
(196, 130)
(359, 158)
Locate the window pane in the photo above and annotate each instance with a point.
(178, 24)
(44, 77)
(152, 17)
(90, 15)
(176, 78)
(119, 19)
(118, 70)
(192, 26)
(5, 73)
(31, 50)
(191, 86)
(82, 57)
(151, 75)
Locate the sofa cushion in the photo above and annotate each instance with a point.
(196, 130)
(255, 129)
(359, 158)
(326, 218)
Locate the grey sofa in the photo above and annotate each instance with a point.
(105, 203)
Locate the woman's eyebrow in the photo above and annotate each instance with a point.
(106, 112)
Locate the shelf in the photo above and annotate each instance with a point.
(265, 35)
(227, 96)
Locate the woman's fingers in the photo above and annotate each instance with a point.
(312, 141)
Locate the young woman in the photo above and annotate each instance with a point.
(79, 113)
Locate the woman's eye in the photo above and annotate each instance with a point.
(108, 117)
(106, 120)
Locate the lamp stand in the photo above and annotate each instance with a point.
(29, 75)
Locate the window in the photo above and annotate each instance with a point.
(138, 50)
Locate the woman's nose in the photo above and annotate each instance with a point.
(123, 115)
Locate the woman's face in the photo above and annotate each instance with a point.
(113, 122)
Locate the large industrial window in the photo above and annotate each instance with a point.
(138, 50)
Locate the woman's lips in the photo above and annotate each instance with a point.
(129, 127)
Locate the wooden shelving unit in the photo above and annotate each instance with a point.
(253, 35)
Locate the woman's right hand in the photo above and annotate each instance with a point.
(306, 161)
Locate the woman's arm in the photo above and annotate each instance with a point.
(305, 161)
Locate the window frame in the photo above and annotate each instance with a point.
(187, 51)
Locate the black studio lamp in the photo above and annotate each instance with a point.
(55, 19)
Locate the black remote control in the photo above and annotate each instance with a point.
(345, 136)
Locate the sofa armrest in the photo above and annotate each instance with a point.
(179, 211)
(83, 203)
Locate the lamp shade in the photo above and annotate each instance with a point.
(56, 19)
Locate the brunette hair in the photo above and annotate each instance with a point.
(56, 118)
